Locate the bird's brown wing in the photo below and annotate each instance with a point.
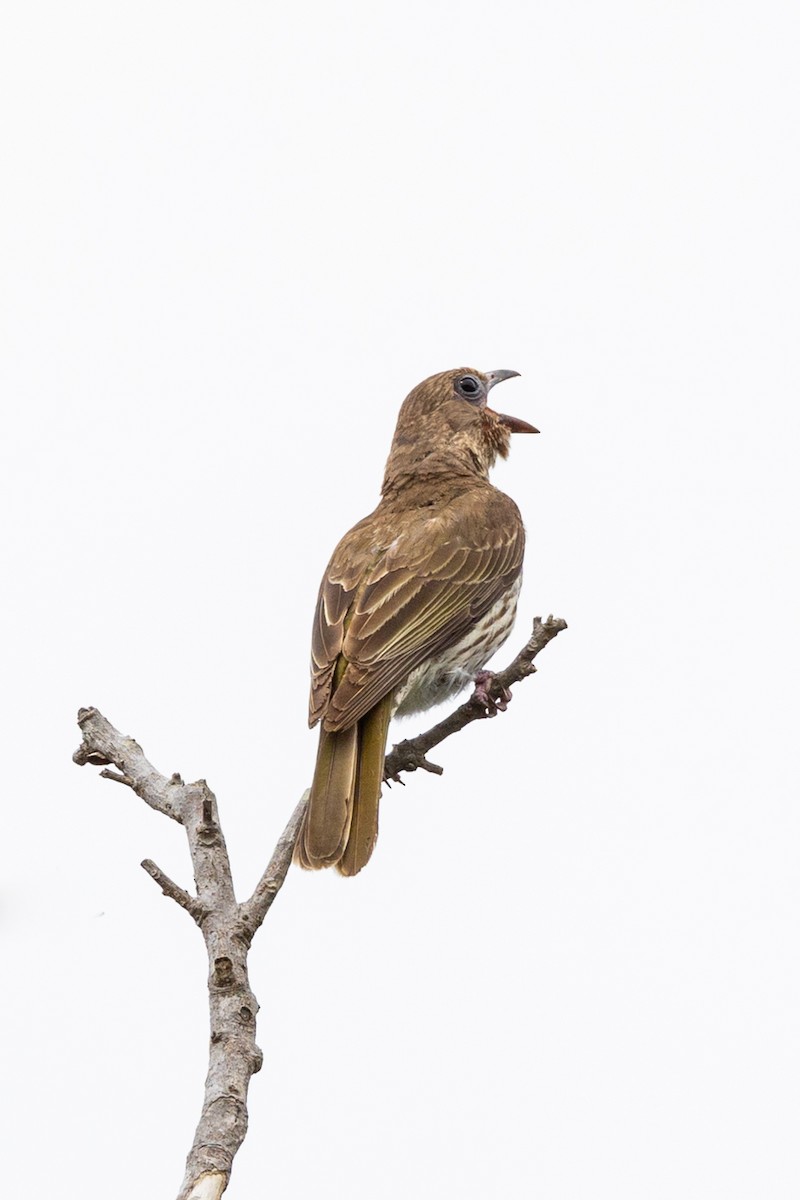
(386, 607)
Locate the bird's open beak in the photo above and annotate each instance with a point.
(515, 424)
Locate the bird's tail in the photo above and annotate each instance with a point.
(340, 825)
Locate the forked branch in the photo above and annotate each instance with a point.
(229, 927)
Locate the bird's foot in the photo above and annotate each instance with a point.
(489, 695)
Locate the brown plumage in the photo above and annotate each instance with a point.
(415, 599)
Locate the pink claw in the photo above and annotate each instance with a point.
(493, 699)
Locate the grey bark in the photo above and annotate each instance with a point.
(228, 927)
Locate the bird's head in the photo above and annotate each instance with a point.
(447, 416)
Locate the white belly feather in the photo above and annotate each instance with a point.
(439, 680)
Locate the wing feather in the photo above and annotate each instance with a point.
(389, 603)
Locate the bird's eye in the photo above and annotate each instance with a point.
(469, 387)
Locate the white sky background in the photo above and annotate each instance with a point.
(234, 238)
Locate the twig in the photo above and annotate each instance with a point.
(410, 755)
(103, 745)
(192, 905)
(254, 910)
(115, 775)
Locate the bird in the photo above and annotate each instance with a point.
(414, 601)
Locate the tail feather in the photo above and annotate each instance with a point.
(326, 824)
(340, 825)
(372, 732)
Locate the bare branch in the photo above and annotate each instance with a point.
(227, 927)
(233, 1054)
(256, 908)
(410, 755)
(106, 773)
(104, 745)
(192, 905)
(209, 1186)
